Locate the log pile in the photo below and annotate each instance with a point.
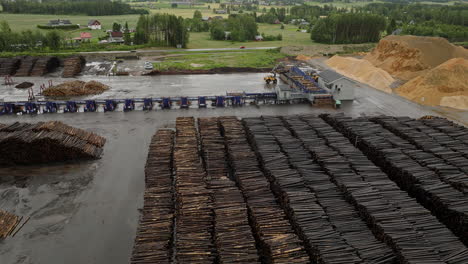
(26, 66)
(8, 223)
(234, 241)
(8, 66)
(24, 143)
(72, 66)
(194, 218)
(45, 65)
(154, 234)
(277, 241)
(390, 152)
(330, 227)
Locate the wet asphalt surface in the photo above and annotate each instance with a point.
(87, 212)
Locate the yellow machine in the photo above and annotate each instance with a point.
(271, 79)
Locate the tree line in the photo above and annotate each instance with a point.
(241, 27)
(28, 39)
(348, 28)
(161, 30)
(84, 7)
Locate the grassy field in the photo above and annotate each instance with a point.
(206, 61)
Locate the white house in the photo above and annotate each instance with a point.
(340, 86)
(94, 24)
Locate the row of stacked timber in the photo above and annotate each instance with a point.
(305, 189)
(39, 66)
(25, 143)
(233, 238)
(26, 66)
(194, 217)
(277, 241)
(72, 66)
(329, 226)
(390, 152)
(8, 66)
(153, 242)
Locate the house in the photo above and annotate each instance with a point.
(259, 38)
(94, 24)
(340, 86)
(397, 31)
(84, 36)
(116, 37)
(205, 18)
(221, 11)
(277, 21)
(59, 22)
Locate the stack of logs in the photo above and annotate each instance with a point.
(277, 241)
(24, 143)
(72, 66)
(8, 66)
(26, 66)
(8, 223)
(45, 65)
(233, 237)
(154, 234)
(194, 218)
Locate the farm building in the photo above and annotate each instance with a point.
(94, 24)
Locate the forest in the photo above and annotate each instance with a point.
(161, 30)
(348, 28)
(83, 7)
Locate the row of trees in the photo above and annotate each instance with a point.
(161, 30)
(58, 7)
(28, 39)
(348, 28)
(273, 15)
(419, 13)
(432, 28)
(242, 27)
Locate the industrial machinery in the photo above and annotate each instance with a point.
(271, 78)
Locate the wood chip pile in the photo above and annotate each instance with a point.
(72, 66)
(26, 66)
(306, 189)
(154, 234)
(8, 223)
(8, 66)
(24, 143)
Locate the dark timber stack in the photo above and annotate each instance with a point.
(26, 66)
(327, 223)
(24, 143)
(232, 233)
(390, 152)
(277, 241)
(72, 66)
(194, 219)
(8, 66)
(153, 242)
(45, 65)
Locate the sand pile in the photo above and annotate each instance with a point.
(362, 71)
(446, 84)
(75, 88)
(407, 57)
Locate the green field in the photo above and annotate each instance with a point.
(206, 61)
(20, 22)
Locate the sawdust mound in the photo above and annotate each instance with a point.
(303, 57)
(76, 88)
(362, 71)
(407, 57)
(446, 85)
